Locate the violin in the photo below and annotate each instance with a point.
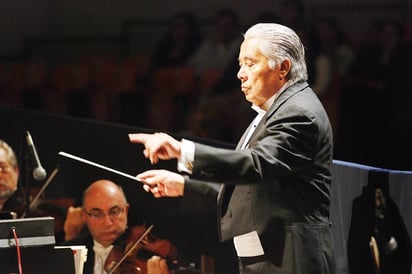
(140, 245)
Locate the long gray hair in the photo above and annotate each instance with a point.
(278, 43)
(10, 155)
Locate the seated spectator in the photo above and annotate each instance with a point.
(219, 49)
(179, 42)
(379, 80)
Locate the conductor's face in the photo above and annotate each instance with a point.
(106, 210)
(259, 82)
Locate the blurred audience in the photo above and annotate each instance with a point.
(179, 42)
(177, 107)
(220, 47)
(216, 66)
(355, 79)
(330, 58)
(374, 105)
(172, 82)
(294, 14)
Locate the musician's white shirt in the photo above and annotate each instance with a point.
(100, 256)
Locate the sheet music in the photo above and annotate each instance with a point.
(62, 153)
(79, 256)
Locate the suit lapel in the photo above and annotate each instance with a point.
(226, 191)
(257, 129)
(242, 139)
(290, 91)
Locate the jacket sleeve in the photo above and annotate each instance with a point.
(200, 196)
(284, 147)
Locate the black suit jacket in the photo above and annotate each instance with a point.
(278, 186)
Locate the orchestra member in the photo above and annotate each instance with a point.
(101, 224)
(104, 212)
(9, 175)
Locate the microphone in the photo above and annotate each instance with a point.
(39, 173)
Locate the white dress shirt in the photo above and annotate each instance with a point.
(100, 256)
(248, 244)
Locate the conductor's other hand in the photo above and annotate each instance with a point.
(162, 183)
(158, 146)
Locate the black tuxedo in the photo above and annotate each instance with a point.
(279, 186)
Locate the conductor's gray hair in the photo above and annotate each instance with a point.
(278, 43)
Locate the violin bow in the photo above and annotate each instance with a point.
(131, 249)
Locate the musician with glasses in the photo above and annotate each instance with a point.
(104, 213)
(100, 223)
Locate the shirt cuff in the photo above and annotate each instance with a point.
(187, 156)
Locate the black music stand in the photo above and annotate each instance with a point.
(35, 237)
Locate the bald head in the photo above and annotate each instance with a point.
(104, 189)
(106, 208)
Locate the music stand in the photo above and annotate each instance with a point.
(36, 252)
(37, 231)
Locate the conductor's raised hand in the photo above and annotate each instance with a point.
(158, 146)
(162, 183)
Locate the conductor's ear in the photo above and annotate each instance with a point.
(284, 68)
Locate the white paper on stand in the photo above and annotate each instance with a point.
(80, 256)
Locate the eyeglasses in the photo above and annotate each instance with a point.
(98, 214)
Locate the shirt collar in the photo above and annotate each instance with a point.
(259, 110)
(100, 249)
